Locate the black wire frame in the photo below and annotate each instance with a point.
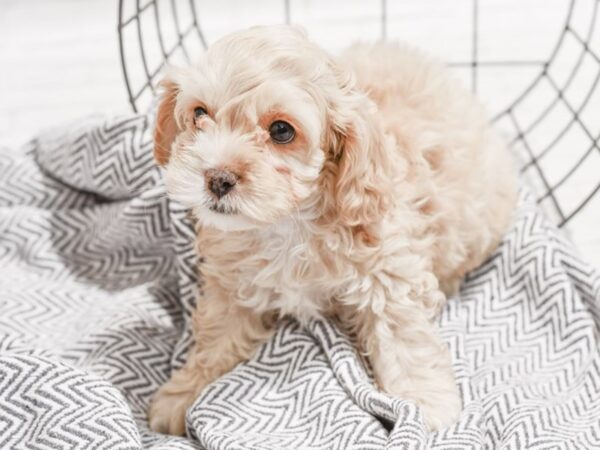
(531, 158)
(135, 20)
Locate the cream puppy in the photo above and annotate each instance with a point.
(360, 188)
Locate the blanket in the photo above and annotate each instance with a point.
(98, 280)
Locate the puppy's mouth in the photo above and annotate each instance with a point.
(220, 208)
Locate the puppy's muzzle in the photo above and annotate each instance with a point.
(220, 181)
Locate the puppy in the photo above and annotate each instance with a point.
(361, 188)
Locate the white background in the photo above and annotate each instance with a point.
(59, 60)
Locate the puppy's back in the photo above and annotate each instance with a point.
(461, 168)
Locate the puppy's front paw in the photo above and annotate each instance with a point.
(440, 404)
(170, 404)
(441, 408)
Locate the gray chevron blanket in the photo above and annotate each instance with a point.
(97, 283)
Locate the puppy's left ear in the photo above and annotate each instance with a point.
(357, 170)
(165, 128)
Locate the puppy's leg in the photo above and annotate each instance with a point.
(225, 335)
(408, 358)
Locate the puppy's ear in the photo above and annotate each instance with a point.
(357, 169)
(165, 128)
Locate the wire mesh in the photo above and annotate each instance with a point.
(544, 97)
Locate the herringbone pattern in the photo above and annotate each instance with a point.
(98, 283)
(45, 404)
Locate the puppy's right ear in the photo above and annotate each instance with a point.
(165, 128)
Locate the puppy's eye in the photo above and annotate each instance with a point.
(282, 132)
(199, 112)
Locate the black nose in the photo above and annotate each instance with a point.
(220, 182)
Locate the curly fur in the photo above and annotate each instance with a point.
(394, 187)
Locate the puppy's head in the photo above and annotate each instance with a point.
(264, 127)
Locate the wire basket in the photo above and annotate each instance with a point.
(536, 65)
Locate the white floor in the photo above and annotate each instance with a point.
(59, 59)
